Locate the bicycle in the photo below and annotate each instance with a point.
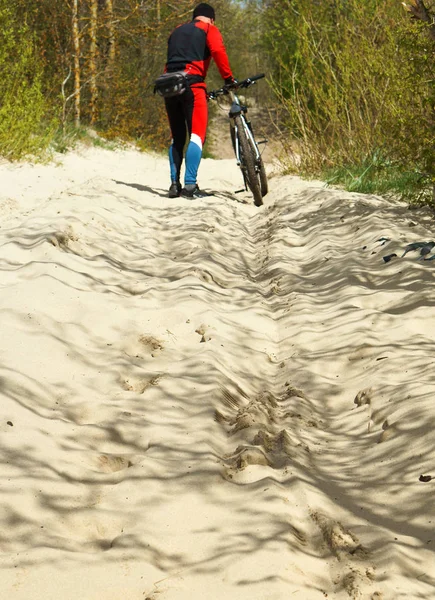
(245, 146)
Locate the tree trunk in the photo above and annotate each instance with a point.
(111, 27)
(93, 59)
(76, 44)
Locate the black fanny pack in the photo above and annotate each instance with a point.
(171, 84)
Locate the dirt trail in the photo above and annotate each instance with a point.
(211, 400)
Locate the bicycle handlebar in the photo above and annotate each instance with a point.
(250, 80)
(240, 84)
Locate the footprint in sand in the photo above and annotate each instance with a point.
(150, 344)
(110, 463)
(142, 346)
(269, 432)
(293, 392)
(276, 451)
(87, 530)
(248, 455)
(140, 385)
(355, 580)
(61, 239)
(352, 573)
(340, 540)
(261, 411)
(280, 446)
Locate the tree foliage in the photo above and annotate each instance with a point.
(356, 80)
(23, 107)
(95, 62)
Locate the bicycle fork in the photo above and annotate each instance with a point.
(250, 136)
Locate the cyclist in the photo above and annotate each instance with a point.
(191, 47)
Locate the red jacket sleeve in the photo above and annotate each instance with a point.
(218, 52)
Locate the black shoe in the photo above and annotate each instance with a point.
(175, 189)
(191, 190)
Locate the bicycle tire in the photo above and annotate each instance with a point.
(247, 162)
(233, 138)
(264, 186)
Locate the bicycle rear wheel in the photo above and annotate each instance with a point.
(247, 161)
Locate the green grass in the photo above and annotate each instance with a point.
(380, 176)
(68, 138)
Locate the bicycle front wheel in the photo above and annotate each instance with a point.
(248, 159)
(263, 178)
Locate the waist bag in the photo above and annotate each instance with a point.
(171, 84)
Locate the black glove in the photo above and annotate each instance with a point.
(230, 82)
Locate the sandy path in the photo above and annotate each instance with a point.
(210, 400)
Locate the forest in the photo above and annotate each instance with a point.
(350, 91)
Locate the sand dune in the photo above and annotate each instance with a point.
(207, 400)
